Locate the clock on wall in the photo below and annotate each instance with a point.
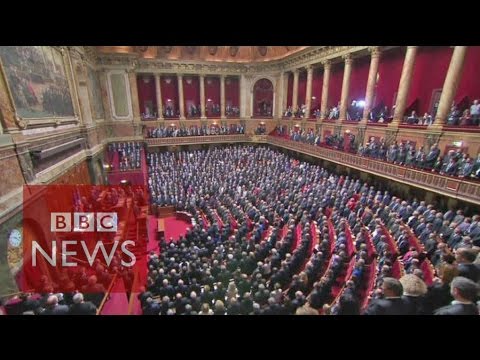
(15, 238)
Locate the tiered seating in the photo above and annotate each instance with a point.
(392, 245)
(350, 240)
(339, 286)
(371, 278)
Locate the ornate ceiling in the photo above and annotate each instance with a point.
(241, 54)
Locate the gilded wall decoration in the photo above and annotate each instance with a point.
(97, 103)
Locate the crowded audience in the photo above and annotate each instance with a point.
(129, 155)
(273, 235)
(204, 130)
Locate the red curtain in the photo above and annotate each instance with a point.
(232, 91)
(358, 79)
(431, 65)
(335, 84)
(146, 93)
(389, 71)
(212, 91)
(302, 87)
(169, 90)
(290, 90)
(191, 91)
(469, 83)
(317, 83)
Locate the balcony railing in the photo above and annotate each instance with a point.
(203, 139)
(454, 187)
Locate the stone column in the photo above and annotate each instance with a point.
(222, 96)
(158, 92)
(181, 104)
(295, 90)
(347, 71)
(308, 96)
(404, 86)
(285, 92)
(132, 78)
(371, 82)
(243, 96)
(202, 96)
(280, 96)
(450, 85)
(327, 65)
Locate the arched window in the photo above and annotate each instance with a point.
(263, 98)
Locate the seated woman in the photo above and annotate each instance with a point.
(426, 120)
(466, 119)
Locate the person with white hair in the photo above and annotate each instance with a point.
(82, 307)
(414, 290)
(52, 307)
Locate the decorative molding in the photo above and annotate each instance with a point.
(129, 116)
(310, 56)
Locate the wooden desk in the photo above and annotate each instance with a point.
(160, 228)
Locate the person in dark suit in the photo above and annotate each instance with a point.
(465, 258)
(80, 307)
(52, 307)
(438, 294)
(465, 293)
(392, 302)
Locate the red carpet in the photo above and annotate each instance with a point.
(117, 304)
(152, 234)
(175, 228)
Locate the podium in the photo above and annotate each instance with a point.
(160, 229)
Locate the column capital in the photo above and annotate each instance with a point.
(375, 51)
(296, 71)
(412, 47)
(179, 76)
(309, 68)
(201, 76)
(347, 58)
(327, 63)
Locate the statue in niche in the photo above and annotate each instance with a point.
(233, 50)
(262, 50)
(212, 50)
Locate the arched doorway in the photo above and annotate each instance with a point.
(263, 98)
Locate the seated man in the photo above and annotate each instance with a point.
(412, 119)
(453, 117)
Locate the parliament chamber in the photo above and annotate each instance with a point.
(240, 180)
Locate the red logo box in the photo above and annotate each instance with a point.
(84, 238)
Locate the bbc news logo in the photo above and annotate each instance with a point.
(83, 222)
(102, 239)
